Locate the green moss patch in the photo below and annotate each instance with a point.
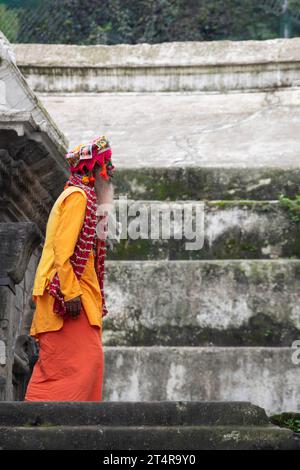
(287, 420)
(292, 206)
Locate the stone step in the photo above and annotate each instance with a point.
(140, 425)
(225, 134)
(206, 182)
(131, 413)
(266, 377)
(193, 303)
(148, 438)
(222, 230)
(210, 66)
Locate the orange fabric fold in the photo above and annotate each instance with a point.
(70, 365)
(63, 228)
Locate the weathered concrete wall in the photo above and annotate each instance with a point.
(264, 376)
(222, 230)
(181, 130)
(197, 183)
(193, 303)
(177, 66)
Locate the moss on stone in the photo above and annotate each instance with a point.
(261, 330)
(287, 420)
(231, 243)
(292, 207)
(199, 183)
(38, 424)
(239, 202)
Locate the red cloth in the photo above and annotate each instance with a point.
(70, 365)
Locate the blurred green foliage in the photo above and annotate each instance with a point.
(9, 23)
(136, 21)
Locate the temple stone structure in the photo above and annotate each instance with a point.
(32, 172)
(191, 66)
(196, 331)
(212, 123)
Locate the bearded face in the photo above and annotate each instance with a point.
(104, 189)
(105, 200)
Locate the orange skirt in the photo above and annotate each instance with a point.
(70, 365)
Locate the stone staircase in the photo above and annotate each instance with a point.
(194, 340)
(211, 324)
(215, 124)
(181, 425)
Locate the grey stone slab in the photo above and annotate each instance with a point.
(140, 425)
(113, 413)
(176, 66)
(267, 377)
(206, 183)
(148, 438)
(204, 230)
(177, 53)
(193, 303)
(185, 129)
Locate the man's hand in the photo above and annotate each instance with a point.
(73, 307)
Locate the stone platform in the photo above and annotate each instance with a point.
(160, 425)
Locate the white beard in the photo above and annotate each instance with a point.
(104, 191)
(105, 205)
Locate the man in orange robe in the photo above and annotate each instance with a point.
(70, 366)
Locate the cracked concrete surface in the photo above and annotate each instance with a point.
(250, 129)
